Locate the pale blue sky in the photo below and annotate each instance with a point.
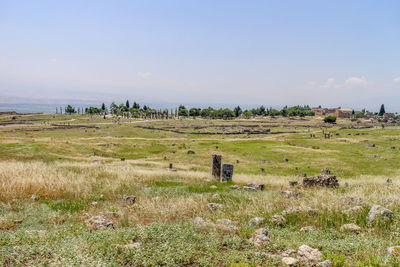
(334, 53)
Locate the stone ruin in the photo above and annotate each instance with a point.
(324, 179)
(221, 172)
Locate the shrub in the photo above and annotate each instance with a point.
(330, 119)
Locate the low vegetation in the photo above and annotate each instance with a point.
(59, 172)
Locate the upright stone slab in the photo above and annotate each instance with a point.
(227, 172)
(216, 166)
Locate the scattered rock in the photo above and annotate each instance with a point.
(290, 194)
(262, 169)
(278, 219)
(216, 196)
(393, 147)
(293, 183)
(260, 237)
(321, 180)
(94, 203)
(379, 212)
(390, 201)
(307, 228)
(111, 214)
(130, 199)
(200, 222)
(18, 221)
(288, 253)
(304, 175)
(215, 206)
(122, 159)
(234, 187)
(290, 261)
(389, 181)
(326, 263)
(34, 197)
(254, 186)
(256, 221)
(191, 152)
(371, 145)
(353, 210)
(326, 171)
(308, 255)
(351, 201)
(351, 227)
(285, 159)
(99, 221)
(300, 209)
(132, 245)
(227, 224)
(213, 187)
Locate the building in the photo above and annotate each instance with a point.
(337, 112)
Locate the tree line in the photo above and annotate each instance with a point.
(137, 111)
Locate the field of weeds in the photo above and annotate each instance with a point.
(101, 194)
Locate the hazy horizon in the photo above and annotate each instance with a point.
(223, 53)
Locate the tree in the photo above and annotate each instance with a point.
(330, 119)
(238, 111)
(103, 107)
(382, 110)
(182, 111)
(69, 110)
(127, 104)
(135, 105)
(114, 108)
(194, 112)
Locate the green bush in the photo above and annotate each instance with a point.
(330, 119)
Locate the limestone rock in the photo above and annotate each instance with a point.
(213, 187)
(99, 222)
(278, 219)
(260, 237)
(290, 194)
(353, 210)
(379, 212)
(308, 255)
(326, 263)
(132, 245)
(215, 206)
(300, 209)
(130, 199)
(307, 228)
(351, 201)
(289, 261)
(256, 221)
(351, 227)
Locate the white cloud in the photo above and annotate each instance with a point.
(329, 83)
(144, 75)
(356, 81)
(396, 80)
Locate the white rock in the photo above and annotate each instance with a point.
(260, 237)
(308, 255)
(132, 245)
(278, 219)
(289, 261)
(256, 221)
(381, 212)
(326, 263)
(215, 206)
(351, 227)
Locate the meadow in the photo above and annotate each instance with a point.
(58, 171)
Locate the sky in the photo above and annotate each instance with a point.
(274, 53)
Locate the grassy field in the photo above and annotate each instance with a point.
(73, 167)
